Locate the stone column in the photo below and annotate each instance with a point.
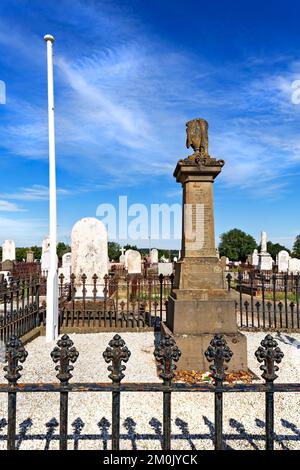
(199, 305)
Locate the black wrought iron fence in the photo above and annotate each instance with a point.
(167, 354)
(267, 301)
(122, 302)
(20, 309)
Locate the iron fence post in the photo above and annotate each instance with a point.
(219, 354)
(15, 353)
(268, 353)
(166, 353)
(63, 354)
(116, 353)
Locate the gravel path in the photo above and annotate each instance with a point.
(141, 413)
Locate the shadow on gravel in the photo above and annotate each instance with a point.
(255, 441)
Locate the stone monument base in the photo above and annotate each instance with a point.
(193, 347)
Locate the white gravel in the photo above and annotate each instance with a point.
(141, 413)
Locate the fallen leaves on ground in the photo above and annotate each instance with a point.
(196, 376)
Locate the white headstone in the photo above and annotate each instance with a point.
(45, 258)
(175, 259)
(154, 256)
(165, 268)
(134, 262)
(66, 267)
(255, 258)
(283, 261)
(89, 255)
(294, 266)
(8, 251)
(122, 256)
(265, 262)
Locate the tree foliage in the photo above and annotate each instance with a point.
(62, 248)
(296, 247)
(114, 251)
(236, 245)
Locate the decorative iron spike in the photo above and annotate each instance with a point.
(64, 353)
(219, 353)
(116, 353)
(14, 354)
(269, 353)
(165, 353)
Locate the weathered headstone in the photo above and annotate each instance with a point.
(165, 268)
(283, 261)
(66, 267)
(8, 250)
(200, 306)
(89, 255)
(154, 256)
(255, 258)
(294, 266)
(134, 262)
(122, 257)
(29, 257)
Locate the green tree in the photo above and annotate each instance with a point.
(296, 247)
(21, 254)
(37, 251)
(236, 245)
(274, 248)
(114, 251)
(62, 248)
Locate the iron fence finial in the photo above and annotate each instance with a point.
(219, 353)
(64, 353)
(116, 353)
(166, 353)
(15, 353)
(269, 353)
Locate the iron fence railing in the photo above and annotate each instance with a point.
(167, 354)
(124, 302)
(20, 309)
(267, 301)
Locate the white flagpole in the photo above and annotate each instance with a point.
(52, 279)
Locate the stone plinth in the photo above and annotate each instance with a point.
(199, 305)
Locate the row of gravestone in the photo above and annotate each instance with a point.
(89, 256)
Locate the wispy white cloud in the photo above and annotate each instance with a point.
(34, 193)
(6, 206)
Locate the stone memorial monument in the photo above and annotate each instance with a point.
(8, 251)
(29, 257)
(122, 256)
(89, 255)
(134, 262)
(200, 305)
(154, 256)
(255, 258)
(66, 267)
(265, 260)
(166, 269)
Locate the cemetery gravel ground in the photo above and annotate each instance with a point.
(141, 413)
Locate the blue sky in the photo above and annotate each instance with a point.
(128, 75)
